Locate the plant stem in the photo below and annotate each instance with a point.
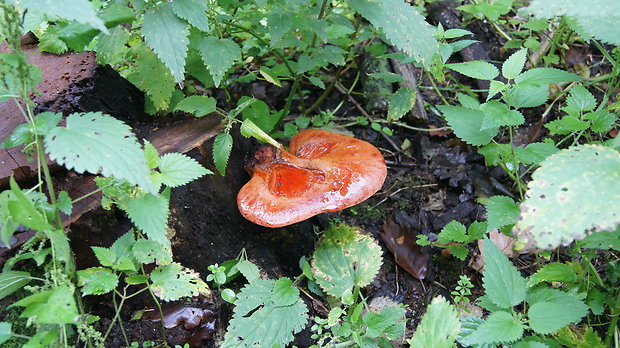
(613, 324)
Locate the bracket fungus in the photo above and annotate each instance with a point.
(322, 171)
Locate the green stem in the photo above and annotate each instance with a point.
(161, 312)
(613, 324)
(117, 314)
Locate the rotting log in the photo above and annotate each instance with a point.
(70, 83)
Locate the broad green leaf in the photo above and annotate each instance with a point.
(136, 279)
(502, 282)
(603, 27)
(602, 240)
(454, 231)
(173, 282)
(566, 125)
(549, 316)
(570, 336)
(64, 202)
(559, 208)
(526, 96)
(576, 8)
(151, 154)
(545, 76)
(306, 63)
(497, 114)
(602, 121)
(55, 306)
(469, 325)
(402, 25)
(222, 146)
(6, 331)
(148, 251)
(193, 11)
(11, 281)
(346, 258)
(98, 143)
(97, 280)
(260, 114)
(501, 211)
(121, 249)
(315, 80)
(23, 211)
(467, 123)
(390, 321)
(150, 213)
(270, 76)
(514, 64)
(579, 100)
(218, 55)
(458, 251)
(467, 101)
(60, 244)
(476, 69)
(166, 35)
(477, 230)
(198, 105)
(267, 313)
(177, 169)
(401, 103)
(74, 10)
(150, 75)
(249, 129)
(387, 77)
(456, 33)
(498, 327)
(279, 24)
(553, 272)
(105, 256)
(529, 344)
(111, 47)
(439, 326)
(496, 87)
(535, 153)
(249, 270)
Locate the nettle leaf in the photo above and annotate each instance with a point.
(402, 25)
(514, 64)
(177, 169)
(497, 114)
(150, 75)
(467, 124)
(553, 272)
(559, 208)
(401, 103)
(476, 69)
(222, 146)
(279, 24)
(346, 258)
(578, 100)
(97, 280)
(439, 326)
(173, 282)
(193, 11)
(501, 211)
(167, 35)
(454, 231)
(218, 55)
(503, 283)
(111, 47)
(498, 327)
(150, 213)
(526, 95)
(267, 313)
(496, 87)
(546, 76)
(390, 321)
(566, 125)
(81, 11)
(148, 251)
(602, 121)
(11, 281)
(56, 306)
(468, 326)
(198, 105)
(535, 153)
(97, 143)
(546, 317)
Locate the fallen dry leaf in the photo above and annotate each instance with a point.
(503, 243)
(401, 241)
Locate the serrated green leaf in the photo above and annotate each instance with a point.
(545, 76)
(498, 327)
(284, 293)
(502, 282)
(306, 63)
(477, 230)
(123, 259)
(249, 270)
(602, 121)
(167, 36)
(111, 47)
(270, 76)
(467, 123)
(402, 25)
(193, 11)
(105, 256)
(150, 213)
(173, 282)
(559, 208)
(151, 154)
(454, 231)
(458, 251)
(496, 87)
(553, 272)
(64, 203)
(535, 153)
(497, 114)
(439, 326)
(135, 279)
(387, 77)
(603, 27)
(56, 306)
(401, 103)
(98, 143)
(11, 281)
(23, 211)
(476, 69)
(469, 325)
(6, 331)
(177, 169)
(198, 105)
(218, 55)
(148, 251)
(579, 100)
(279, 24)
(529, 344)
(258, 112)
(315, 80)
(456, 33)
(222, 146)
(345, 258)
(467, 101)
(549, 316)
(74, 10)
(501, 211)
(390, 321)
(151, 76)
(566, 125)
(258, 321)
(97, 280)
(514, 64)
(526, 95)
